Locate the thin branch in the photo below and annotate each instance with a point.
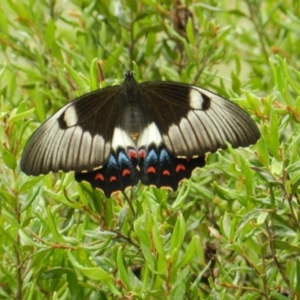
(273, 252)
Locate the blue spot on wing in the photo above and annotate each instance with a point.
(116, 175)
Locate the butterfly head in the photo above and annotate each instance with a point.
(129, 76)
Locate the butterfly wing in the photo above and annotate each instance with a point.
(176, 125)
(193, 121)
(117, 174)
(161, 169)
(187, 122)
(76, 138)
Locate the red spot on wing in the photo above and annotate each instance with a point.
(142, 153)
(126, 172)
(132, 153)
(180, 167)
(166, 173)
(112, 178)
(99, 176)
(151, 170)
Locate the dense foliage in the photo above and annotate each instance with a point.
(231, 232)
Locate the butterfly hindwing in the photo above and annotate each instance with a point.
(117, 174)
(161, 169)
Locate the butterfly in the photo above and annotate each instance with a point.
(155, 132)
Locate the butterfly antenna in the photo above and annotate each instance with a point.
(109, 54)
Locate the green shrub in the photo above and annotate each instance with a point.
(231, 231)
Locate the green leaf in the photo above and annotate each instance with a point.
(20, 116)
(94, 273)
(178, 234)
(188, 254)
(9, 159)
(94, 75)
(178, 290)
(190, 31)
(297, 276)
(263, 152)
(52, 226)
(157, 239)
(282, 245)
(54, 273)
(121, 268)
(272, 138)
(50, 33)
(278, 296)
(77, 78)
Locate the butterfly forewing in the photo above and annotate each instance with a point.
(156, 132)
(76, 138)
(193, 121)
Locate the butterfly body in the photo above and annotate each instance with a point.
(156, 132)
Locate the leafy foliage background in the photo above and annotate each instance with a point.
(231, 232)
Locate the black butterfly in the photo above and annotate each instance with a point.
(156, 132)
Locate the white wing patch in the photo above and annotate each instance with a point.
(121, 139)
(70, 116)
(149, 135)
(196, 100)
